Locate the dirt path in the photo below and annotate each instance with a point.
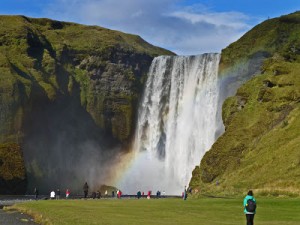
(14, 218)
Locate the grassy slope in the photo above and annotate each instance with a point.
(162, 211)
(260, 147)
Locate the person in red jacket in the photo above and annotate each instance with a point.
(67, 193)
(149, 195)
(119, 194)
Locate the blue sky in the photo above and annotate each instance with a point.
(186, 27)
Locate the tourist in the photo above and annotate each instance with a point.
(149, 195)
(57, 194)
(139, 194)
(93, 195)
(67, 193)
(113, 194)
(249, 208)
(36, 193)
(158, 194)
(119, 194)
(184, 194)
(52, 195)
(105, 193)
(98, 194)
(85, 189)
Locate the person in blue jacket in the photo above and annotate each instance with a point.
(250, 208)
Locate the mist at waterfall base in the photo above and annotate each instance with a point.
(177, 123)
(64, 148)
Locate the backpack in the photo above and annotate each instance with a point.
(251, 205)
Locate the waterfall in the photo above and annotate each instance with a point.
(177, 123)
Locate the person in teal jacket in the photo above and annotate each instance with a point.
(249, 214)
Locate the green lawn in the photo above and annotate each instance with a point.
(207, 211)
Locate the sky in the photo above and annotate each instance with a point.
(186, 27)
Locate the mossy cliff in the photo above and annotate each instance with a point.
(260, 148)
(80, 74)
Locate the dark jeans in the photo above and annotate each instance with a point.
(250, 218)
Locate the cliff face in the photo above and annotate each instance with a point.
(260, 146)
(58, 78)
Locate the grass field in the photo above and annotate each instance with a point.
(206, 211)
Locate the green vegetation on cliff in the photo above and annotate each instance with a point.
(45, 57)
(260, 146)
(12, 169)
(57, 77)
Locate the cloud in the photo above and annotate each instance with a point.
(229, 19)
(187, 30)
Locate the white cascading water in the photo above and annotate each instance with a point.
(176, 124)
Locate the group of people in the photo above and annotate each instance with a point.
(56, 194)
(98, 194)
(53, 194)
(185, 192)
(140, 194)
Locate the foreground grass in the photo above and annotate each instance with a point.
(161, 211)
